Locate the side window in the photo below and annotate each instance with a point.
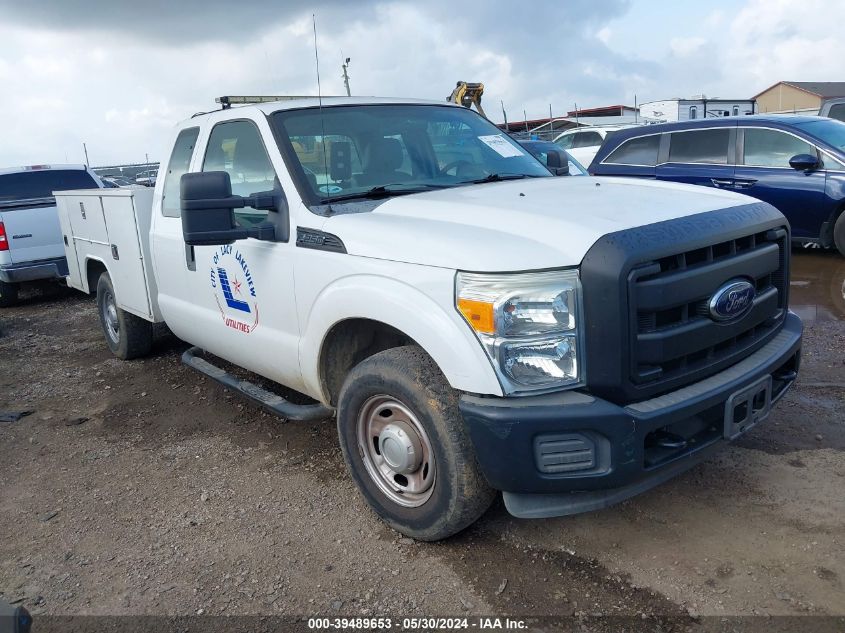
(180, 162)
(693, 112)
(700, 146)
(636, 151)
(837, 111)
(736, 110)
(587, 139)
(565, 141)
(832, 163)
(770, 148)
(236, 148)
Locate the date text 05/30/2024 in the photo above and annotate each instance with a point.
(416, 624)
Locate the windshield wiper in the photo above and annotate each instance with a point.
(384, 191)
(498, 178)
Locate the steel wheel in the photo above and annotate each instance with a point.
(396, 451)
(110, 317)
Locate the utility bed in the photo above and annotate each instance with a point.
(109, 229)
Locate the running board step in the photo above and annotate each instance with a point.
(270, 401)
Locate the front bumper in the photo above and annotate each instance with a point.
(54, 268)
(614, 452)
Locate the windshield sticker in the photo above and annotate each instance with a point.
(497, 143)
(234, 290)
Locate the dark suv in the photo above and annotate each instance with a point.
(796, 163)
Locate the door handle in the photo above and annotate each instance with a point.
(722, 182)
(744, 183)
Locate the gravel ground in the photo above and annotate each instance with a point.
(144, 488)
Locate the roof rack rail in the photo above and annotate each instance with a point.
(230, 100)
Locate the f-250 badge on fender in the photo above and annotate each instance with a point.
(234, 290)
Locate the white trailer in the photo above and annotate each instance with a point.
(670, 110)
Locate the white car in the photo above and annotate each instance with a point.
(147, 178)
(583, 143)
(31, 246)
(475, 323)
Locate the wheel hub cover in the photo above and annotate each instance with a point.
(400, 448)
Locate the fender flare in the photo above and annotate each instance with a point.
(442, 334)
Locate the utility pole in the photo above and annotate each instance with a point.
(524, 114)
(346, 76)
(504, 114)
(85, 149)
(551, 121)
(147, 157)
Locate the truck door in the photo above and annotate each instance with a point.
(764, 172)
(235, 300)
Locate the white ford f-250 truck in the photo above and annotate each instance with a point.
(475, 323)
(30, 238)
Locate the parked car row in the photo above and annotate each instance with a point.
(112, 182)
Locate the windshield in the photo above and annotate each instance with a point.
(28, 185)
(830, 131)
(350, 152)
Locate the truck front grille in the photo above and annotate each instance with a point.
(647, 290)
(674, 334)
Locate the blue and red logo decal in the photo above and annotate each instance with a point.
(234, 290)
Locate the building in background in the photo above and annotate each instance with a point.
(698, 107)
(798, 96)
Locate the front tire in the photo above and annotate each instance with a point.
(127, 335)
(839, 234)
(406, 446)
(8, 294)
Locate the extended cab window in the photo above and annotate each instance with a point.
(636, 151)
(180, 162)
(700, 146)
(770, 148)
(236, 148)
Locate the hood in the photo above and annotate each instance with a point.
(519, 224)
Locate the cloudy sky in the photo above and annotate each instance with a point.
(117, 75)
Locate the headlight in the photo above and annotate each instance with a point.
(528, 324)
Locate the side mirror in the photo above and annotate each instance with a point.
(208, 206)
(557, 163)
(804, 162)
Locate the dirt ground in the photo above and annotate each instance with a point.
(144, 488)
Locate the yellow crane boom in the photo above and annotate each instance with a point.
(467, 94)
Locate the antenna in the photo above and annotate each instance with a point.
(345, 66)
(320, 104)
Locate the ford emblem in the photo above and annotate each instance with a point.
(733, 299)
